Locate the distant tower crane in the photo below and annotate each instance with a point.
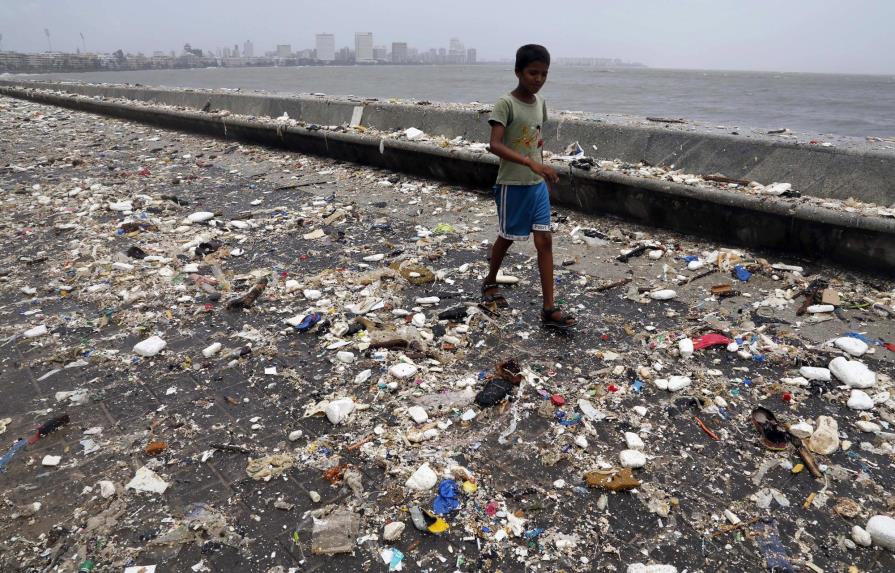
(47, 34)
(83, 42)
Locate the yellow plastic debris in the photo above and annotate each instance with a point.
(440, 526)
(470, 487)
(798, 468)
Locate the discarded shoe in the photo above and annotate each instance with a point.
(773, 436)
(249, 298)
(494, 392)
(510, 371)
(308, 322)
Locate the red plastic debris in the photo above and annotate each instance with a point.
(709, 340)
(491, 508)
(557, 400)
(612, 388)
(604, 337)
(787, 396)
(889, 346)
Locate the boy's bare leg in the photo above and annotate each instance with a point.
(498, 252)
(544, 245)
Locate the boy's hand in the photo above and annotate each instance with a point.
(545, 171)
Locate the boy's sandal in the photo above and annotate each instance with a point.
(564, 322)
(773, 436)
(497, 298)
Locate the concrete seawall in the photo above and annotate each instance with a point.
(851, 169)
(768, 223)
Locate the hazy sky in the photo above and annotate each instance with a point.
(853, 36)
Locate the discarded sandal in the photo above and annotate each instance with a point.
(495, 297)
(509, 370)
(773, 436)
(564, 322)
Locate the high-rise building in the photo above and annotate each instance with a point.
(399, 52)
(248, 49)
(284, 50)
(380, 53)
(344, 55)
(471, 56)
(326, 47)
(456, 52)
(363, 47)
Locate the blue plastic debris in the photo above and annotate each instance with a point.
(447, 499)
(566, 420)
(690, 258)
(534, 533)
(7, 457)
(864, 339)
(395, 557)
(741, 273)
(767, 538)
(308, 322)
(637, 385)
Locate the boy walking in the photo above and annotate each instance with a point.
(523, 200)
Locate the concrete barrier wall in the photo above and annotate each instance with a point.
(857, 171)
(759, 222)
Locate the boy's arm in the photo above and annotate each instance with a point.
(497, 147)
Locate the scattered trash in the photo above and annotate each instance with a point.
(150, 347)
(360, 297)
(447, 499)
(269, 466)
(392, 531)
(335, 533)
(773, 436)
(248, 299)
(709, 340)
(494, 392)
(147, 481)
(619, 479)
(882, 531)
(767, 538)
(424, 478)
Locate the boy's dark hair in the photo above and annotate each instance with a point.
(531, 53)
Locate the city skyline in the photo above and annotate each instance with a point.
(365, 50)
(763, 35)
(324, 52)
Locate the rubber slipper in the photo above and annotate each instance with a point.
(308, 322)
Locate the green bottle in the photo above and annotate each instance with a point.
(86, 566)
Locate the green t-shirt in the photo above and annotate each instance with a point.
(523, 122)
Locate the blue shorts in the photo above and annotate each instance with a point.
(522, 209)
